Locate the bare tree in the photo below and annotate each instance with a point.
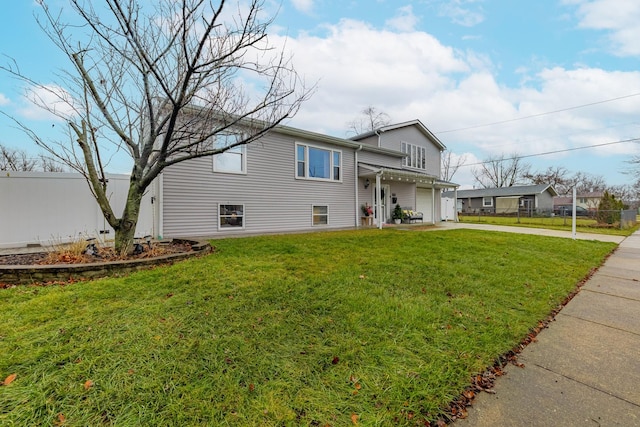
(13, 159)
(370, 119)
(587, 183)
(450, 164)
(557, 176)
(163, 82)
(501, 171)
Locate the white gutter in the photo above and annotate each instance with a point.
(378, 134)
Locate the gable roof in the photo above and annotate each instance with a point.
(417, 123)
(521, 190)
(300, 133)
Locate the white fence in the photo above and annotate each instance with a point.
(45, 208)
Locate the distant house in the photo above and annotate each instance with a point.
(589, 200)
(505, 200)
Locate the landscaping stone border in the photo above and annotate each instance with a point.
(30, 274)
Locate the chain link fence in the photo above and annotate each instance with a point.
(596, 218)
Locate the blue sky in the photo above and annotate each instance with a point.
(471, 70)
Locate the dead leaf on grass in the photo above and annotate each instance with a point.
(60, 420)
(354, 419)
(9, 379)
(88, 384)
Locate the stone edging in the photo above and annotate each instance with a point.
(29, 274)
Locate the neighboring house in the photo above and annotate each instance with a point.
(505, 200)
(589, 201)
(294, 180)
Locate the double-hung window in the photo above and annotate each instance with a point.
(320, 215)
(487, 202)
(318, 163)
(416, 156)
(233, 160)
(231, 216)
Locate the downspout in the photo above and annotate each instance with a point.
(378, 201)
(357, 180)
(377, 132)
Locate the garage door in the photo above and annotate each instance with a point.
(424, 203)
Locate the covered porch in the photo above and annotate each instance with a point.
(382, 187)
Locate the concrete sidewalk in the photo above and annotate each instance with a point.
(527, 230)
(584, 370)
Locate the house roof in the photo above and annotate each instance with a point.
(417, 123)
(300, 133)
(521, 190)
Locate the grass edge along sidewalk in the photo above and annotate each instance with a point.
(370, 327)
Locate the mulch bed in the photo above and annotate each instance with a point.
(105, 255)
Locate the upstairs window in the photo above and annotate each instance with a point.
(234, 160)
(416, 156)
(318, 163)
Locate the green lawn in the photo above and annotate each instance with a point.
(381, 327)
(583, 225)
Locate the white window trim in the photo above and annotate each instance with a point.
(244, 217)
(306, 163)
(313, 215)
(490, 205)
(419, 159)
(244, 163)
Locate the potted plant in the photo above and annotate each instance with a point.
(366, 209)
(396, 215)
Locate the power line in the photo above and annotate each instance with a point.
(539, 114)
(559, 151)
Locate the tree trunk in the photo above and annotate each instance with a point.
(125, 231)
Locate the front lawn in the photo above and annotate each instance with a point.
(374, 327)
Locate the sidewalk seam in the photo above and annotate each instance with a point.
(587, 385)
(601, 324)
(611, 295)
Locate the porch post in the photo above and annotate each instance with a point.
(455, 204)
(378, 201)
(433, 203)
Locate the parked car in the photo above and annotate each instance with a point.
(567, 210)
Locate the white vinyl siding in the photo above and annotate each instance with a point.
(318, 163)
(274, 198)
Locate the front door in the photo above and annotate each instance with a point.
(384, 205)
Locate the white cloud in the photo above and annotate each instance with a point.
(411, 75)
(405, 20)
(618, 17)
(4, 100)
(462, 12)
(50, 102)
(305, 6)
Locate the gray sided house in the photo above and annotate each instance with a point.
(505, 200)
(295, 180)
